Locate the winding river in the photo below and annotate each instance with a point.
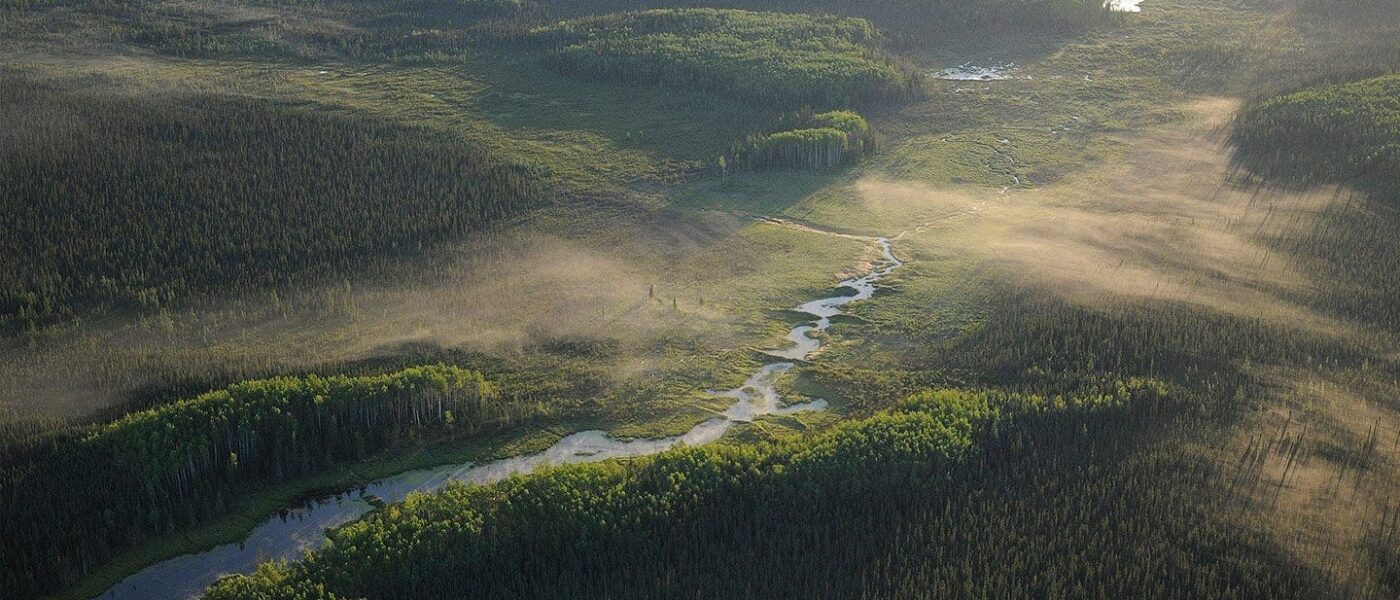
(291, 532)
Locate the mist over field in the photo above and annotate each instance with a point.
(699, 298)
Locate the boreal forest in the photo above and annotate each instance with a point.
(614, 299)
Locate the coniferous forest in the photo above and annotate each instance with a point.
(185, 462)
(816, 142)
(138, 203)
(699, 299)
(1350, 132)
(936, 477)
(769, 58)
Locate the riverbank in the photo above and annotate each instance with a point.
(217, 547)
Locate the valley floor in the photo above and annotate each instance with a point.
(1081, 219)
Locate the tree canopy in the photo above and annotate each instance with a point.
(785, 60)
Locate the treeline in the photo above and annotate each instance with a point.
(815, 142)
(108, 201)
(1347, 133)
(410, 31)
(950, 494)
(781, 60)
(76, 496)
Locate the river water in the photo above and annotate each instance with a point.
(295, 530)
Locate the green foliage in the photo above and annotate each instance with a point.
(184, 463)
(785, 60)
(914, 21)
(1348, 133)
(1353, 10)
(844, 120)
(251, 429)
(1034, 337)
(817, 142)
(107, 201)
(475, 8)
(313, 30)
(815, 149)
(959, 494)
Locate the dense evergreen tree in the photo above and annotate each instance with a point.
(112, 201)
(184, 463)
(950, 494)
(783, 60)
(816, 142)
(1346, 133)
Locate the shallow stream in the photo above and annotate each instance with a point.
(295, 530)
